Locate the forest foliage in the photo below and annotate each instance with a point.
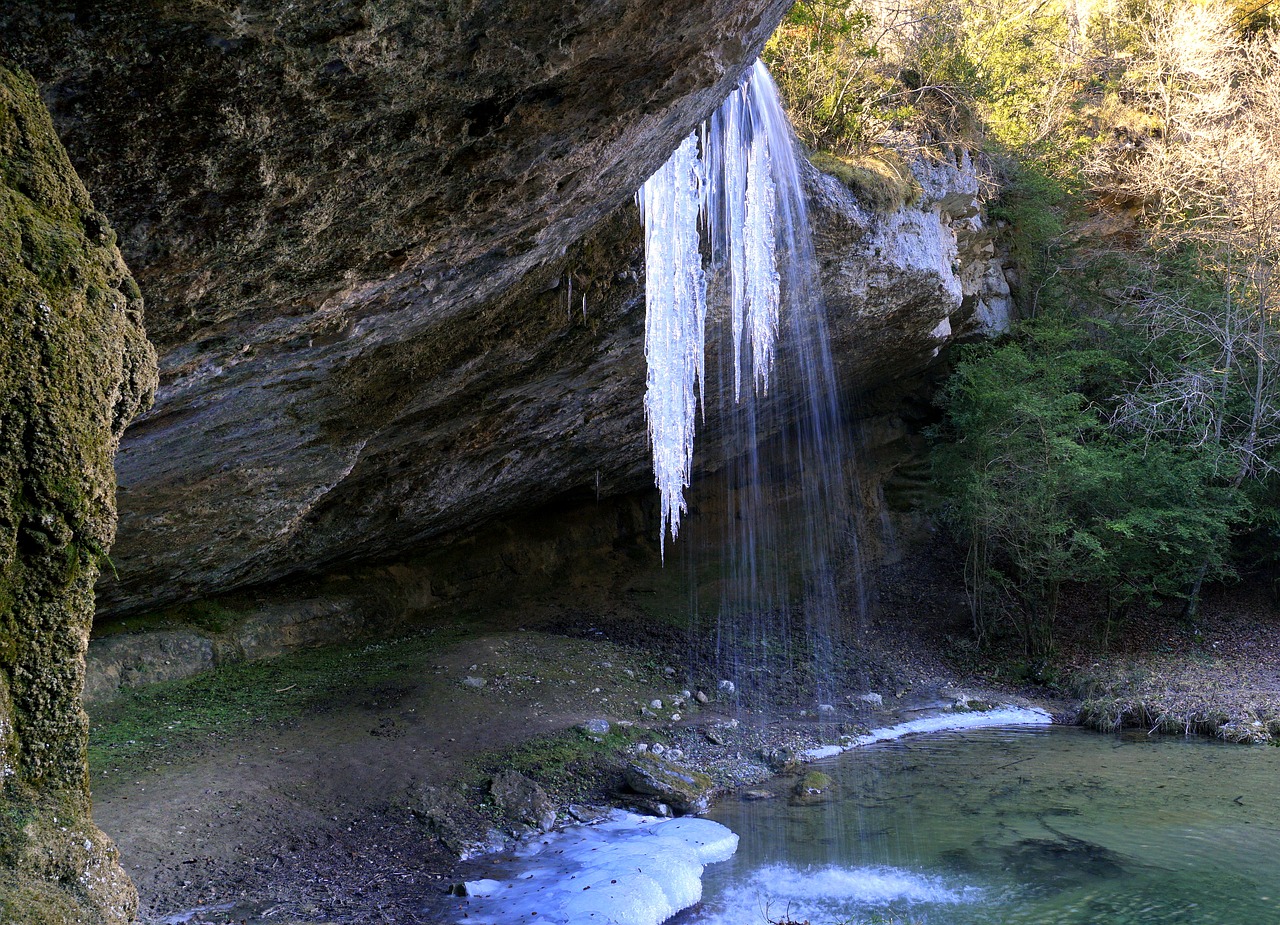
(1124, 437)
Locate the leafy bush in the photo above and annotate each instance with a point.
(1043, 491)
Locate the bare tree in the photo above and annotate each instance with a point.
(1210, 187)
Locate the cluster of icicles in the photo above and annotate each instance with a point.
(727, 180)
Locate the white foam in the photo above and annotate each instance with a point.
(833, 894)
(627, 870)
(942, 722)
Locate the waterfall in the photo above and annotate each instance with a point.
(728, 184)
(726, 226)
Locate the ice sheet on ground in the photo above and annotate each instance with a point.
(627, 870)
(943, 722)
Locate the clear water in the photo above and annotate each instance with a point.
(1051, 826)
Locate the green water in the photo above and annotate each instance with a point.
(1052, 826)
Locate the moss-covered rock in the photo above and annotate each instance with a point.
(813, 788)
(881, 179)
(684, 790)
(75, 367)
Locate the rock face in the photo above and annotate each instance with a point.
(900, 286)
(393, 268)
(322, 202)
(75, 367)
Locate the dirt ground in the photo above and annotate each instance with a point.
(340, 786)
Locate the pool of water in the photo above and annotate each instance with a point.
(1051, 826)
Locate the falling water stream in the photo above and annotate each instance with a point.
(731, 275)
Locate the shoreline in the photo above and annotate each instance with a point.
(332, 783)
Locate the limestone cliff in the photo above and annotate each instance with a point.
(75, 367)
(392, 264)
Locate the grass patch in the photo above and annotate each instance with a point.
(571, 765)
(881, 179)
(163, 723)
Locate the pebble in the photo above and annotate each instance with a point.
(657, 748)
(726, 687)
(473, 682)
(872, 698)
(701, 697)
(826, 708)
(655, 704)
(675, 717)
(596, 727)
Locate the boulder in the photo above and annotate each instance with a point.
(686, 791)
(813, 788)
(523, 800)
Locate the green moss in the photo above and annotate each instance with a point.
(30, 902)
(813, 781)
(74, 368)
(570, 765)
(881, 179)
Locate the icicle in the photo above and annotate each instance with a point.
(732, 183)
(761, 266)
(675, 322)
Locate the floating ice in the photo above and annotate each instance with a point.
(830, 894)
(943, 722)
(628, 870)
(732, 181)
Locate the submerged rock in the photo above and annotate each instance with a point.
(686, 791)
(813, 788)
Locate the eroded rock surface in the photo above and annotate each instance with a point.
(75, 367)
